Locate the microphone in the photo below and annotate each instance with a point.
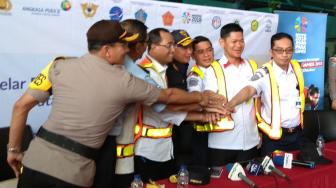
(280, 161)
(269, 167)
(236, 173)
(254, 168)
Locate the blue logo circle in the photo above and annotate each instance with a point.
(116, 13)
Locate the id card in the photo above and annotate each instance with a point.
(298, 103)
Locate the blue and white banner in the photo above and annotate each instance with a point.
(33, 32)
(309, 34)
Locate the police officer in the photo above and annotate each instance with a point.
(88, 94)
(176, 76)
(122, 133)
(280, 85)
(234, 138)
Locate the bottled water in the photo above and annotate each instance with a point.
(137, 183)
(183, 177)
(320, 145)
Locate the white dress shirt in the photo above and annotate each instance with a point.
(159, 150)
(244, 136)
(288, 93)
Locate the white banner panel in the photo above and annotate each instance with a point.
(33, 32)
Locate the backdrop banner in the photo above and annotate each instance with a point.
(34, 32)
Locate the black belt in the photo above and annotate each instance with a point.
(292, 129)
(67, 143)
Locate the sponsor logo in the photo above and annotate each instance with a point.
(268, 26)
(116, 13)
(301, 24)
(141, 15)
(66, 5)
(216, 22)
(39, 11)
(168, 19)
(254, 25)
(89, 9)
(188, 18)
(300, 27)
(5, 5)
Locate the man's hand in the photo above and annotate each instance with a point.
(212, 101)
(14, 160)
(211, 117)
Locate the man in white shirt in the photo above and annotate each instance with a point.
(280, 85)
(203, 54)
(240, 142)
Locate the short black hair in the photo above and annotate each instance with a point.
(199, 39)
(135, 26)
(154, 36)
(313, 89)
(279, 36)
(228, 28)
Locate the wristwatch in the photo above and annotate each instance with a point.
(12, 149)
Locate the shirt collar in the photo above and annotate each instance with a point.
(279, 71)
(225, 62)
(158, 67)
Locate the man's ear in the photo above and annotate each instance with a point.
(222, 43)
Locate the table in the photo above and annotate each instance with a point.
(323, 176)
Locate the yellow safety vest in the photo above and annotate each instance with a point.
(142, 130)
(195, 69)
(227, 122)
(274, 130)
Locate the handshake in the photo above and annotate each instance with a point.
(214, 107)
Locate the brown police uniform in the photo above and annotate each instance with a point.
(88, 95)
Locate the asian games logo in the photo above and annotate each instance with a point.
(116, 13)
(301, 24)
(186, 17)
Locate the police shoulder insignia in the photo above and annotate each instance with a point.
(42, 82)
(192, 82)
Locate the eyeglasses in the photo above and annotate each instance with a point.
(281, 51)
(168, 46)
(204, 51)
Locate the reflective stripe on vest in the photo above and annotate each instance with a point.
(274, 130)
(227, 122)
(153, 132)
(125, 150)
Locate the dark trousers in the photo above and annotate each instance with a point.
(105, 164)
(221, 157)
(287, 142)
(124, 181)
(154, 170)
(182, 141)
(200, 148)
(34, 179)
